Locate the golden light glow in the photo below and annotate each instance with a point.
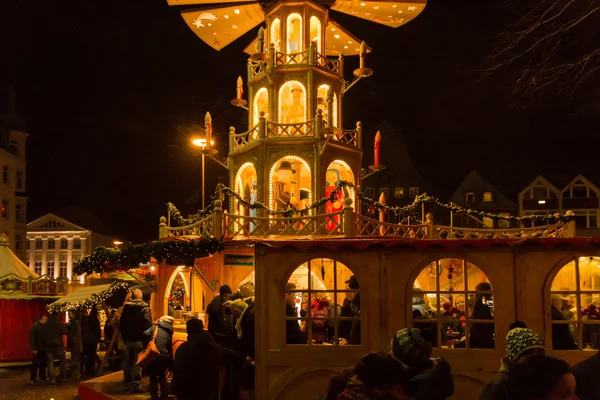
(117, 242)
(315, 33)
(260, 103)
(287, 98)
(275, 36)
(384, 13)
(178, 271)
(336, 38)
(201, 142)
(274, 169)
(294, 33)
(322, 93)
(217, 31)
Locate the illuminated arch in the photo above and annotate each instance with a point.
(240, 182)
(261, 95)
(322, 93)
(178, 271)
(315, 32)
(449, 293)
(275, 36)
(274, 169)
(285, 102)
(293, 37)
(346, 175)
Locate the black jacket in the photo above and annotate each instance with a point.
(197, 365)
(164, 339)
(561, 335)
(91, 330)
(52, 333)
(35, 339)
(433, 384)
(498, 388)
(135, 319)
(219, 322)
(74, 337)
(293, 334)
(586, 375)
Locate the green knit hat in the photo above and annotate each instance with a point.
(410, 347)
(519, 340)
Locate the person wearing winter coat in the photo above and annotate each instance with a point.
(158, 366)
(52, 333)
(541, 378)
(74, 342)
(199, 366)
(586, 374)
(293, 333)
(91, 338)
(521, 343)
(430, 378)
(39, 363)
(135, 319)
(378, 376)
(220, 323)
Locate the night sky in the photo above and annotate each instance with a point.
(112, 88)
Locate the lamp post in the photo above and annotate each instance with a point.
(202, 144)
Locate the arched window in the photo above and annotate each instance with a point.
(325, 308)
(575, 305)
(261, 103)
(246, 186)
(315, 33)
(292, 103)
(290, 184)
(454, 299)
(275, 36)
(294, 33)
(322, 104)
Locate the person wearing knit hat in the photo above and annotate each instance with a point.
(430, 378)
(521, 343)
(168, 319)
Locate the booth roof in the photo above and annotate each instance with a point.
(81, 294)
(333, 242)
(11, 264)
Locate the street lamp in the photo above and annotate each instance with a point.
(206, 146)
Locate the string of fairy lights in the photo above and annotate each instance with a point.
(419, 201)
(91, 301)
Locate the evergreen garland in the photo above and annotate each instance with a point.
(128, 256)
(94, 299)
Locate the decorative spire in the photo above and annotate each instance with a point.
(4, 240)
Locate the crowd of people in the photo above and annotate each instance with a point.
(220, 360)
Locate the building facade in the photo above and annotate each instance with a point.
(54, 245)
(13, 140)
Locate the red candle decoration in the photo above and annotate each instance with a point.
(376, 148)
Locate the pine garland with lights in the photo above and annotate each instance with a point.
(128, 256)
(417, 203)
(94, 299)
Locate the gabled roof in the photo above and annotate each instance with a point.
(83, 217)
(474, 182)
(52, 222)
(540, 181)
(11, 264)
(580, 179)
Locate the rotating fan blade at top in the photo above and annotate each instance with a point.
(389, 13)
(218, 27)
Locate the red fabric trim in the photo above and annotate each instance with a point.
(87, 393)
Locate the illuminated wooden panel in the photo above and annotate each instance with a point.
(219, 27)
(339, 40)
(190, 2)
(389, 13)
(251, 49)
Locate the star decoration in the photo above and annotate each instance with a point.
(349, 41)
(345, 47)
(336, 36)
(234, 27)
(332, 29)
(226, 16)
(227, 36)
(247, 24)
(197, 23)
(375, 7)
(354, 12)
(215, 33)
(367, 14)
(412, 8)
(209, 24)
(399, 11)
(237, 11)
(362, 4)
(216, 42)
(394, 5)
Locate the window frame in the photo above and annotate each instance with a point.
(489, 199)
(64, 244)
(411, 192)
(62, 267)
(50, 267)
(371, 191)
(440, 319)
(51, 244)
(5, 174)
(470, 197)
(37, 267)
(309, 291)
(398, 192)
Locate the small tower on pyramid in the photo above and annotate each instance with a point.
(295, 149)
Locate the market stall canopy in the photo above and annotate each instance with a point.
(87, 296)
(10, 263)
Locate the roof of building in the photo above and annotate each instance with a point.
(11, 264)
(79, 217)
(474, 182)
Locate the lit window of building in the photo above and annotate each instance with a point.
(399, 193)
(488, 197)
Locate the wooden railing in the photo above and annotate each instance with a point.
(301, 129)
(349, 224)
(255, 70)
(328, 64)
(239, 140)
(44, 286)
(299, 58)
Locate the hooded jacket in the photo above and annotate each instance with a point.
(135, 319)
(197, 367)
(52, 333)
(435, 383)
(164, 339)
